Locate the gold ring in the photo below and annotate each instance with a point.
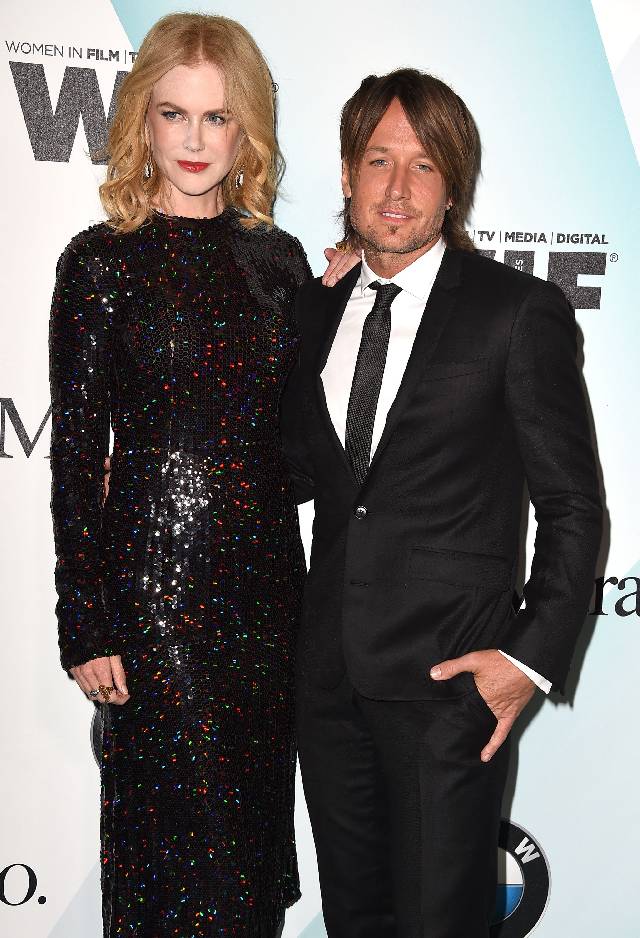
(105, 691)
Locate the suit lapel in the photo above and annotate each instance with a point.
(335, 302)
(336, 299)
(434, 319)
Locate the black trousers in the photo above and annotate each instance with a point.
(404, 814)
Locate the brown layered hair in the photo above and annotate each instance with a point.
(133, 184)
(441, 122)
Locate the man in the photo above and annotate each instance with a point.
(431, 384)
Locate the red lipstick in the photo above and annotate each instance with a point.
(192, 167)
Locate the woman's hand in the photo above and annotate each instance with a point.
(341, 261)
(102, 680)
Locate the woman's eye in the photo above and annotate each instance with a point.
(170, 115)
(217, 119)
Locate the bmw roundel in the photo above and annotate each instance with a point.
(523, 883)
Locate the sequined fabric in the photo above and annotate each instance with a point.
(179, 337)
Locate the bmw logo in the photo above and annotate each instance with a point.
(524, 882)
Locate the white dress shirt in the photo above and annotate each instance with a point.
(407, 309)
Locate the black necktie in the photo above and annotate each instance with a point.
(367, 379)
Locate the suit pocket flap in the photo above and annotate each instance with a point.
(438, 370)
(460, 568)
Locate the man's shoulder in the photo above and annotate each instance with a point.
(479, 267)
(501, 280)
(314, 290)
(311, 303)
(316, 302)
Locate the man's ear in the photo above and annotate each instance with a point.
(346, 181)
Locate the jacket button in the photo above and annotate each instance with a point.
(361, 512)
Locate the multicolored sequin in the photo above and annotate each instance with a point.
(179, 337)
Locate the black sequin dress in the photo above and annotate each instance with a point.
(179, 337)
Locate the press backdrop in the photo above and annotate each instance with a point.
(553, 85)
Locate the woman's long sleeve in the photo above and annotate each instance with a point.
(80, 371)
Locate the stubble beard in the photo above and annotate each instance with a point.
(372, 243)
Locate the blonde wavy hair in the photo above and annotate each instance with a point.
(129, 191)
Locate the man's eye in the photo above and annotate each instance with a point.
(378, 162)
(424, 167)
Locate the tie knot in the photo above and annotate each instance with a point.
(385, 292)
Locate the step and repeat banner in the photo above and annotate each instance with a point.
(553, 85)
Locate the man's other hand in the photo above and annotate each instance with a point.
(504, 688)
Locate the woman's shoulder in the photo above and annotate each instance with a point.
(96, 238)
(269, 235)
(91, 237)
(284, 243)
(277, 247)
(92, 253)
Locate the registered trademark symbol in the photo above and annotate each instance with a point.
(613, 258)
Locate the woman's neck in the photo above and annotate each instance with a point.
(207, 205)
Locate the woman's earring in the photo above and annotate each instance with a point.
(239, 179)
(148, 169)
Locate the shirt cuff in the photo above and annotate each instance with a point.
(537, 679)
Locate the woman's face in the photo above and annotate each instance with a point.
(193, 138)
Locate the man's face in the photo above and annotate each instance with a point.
(398, 196)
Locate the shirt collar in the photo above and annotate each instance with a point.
(416, 279)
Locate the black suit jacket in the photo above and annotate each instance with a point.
(419, 563)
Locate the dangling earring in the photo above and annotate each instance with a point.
(148, 169)
(239, 179)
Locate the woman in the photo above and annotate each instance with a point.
(171, 324)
